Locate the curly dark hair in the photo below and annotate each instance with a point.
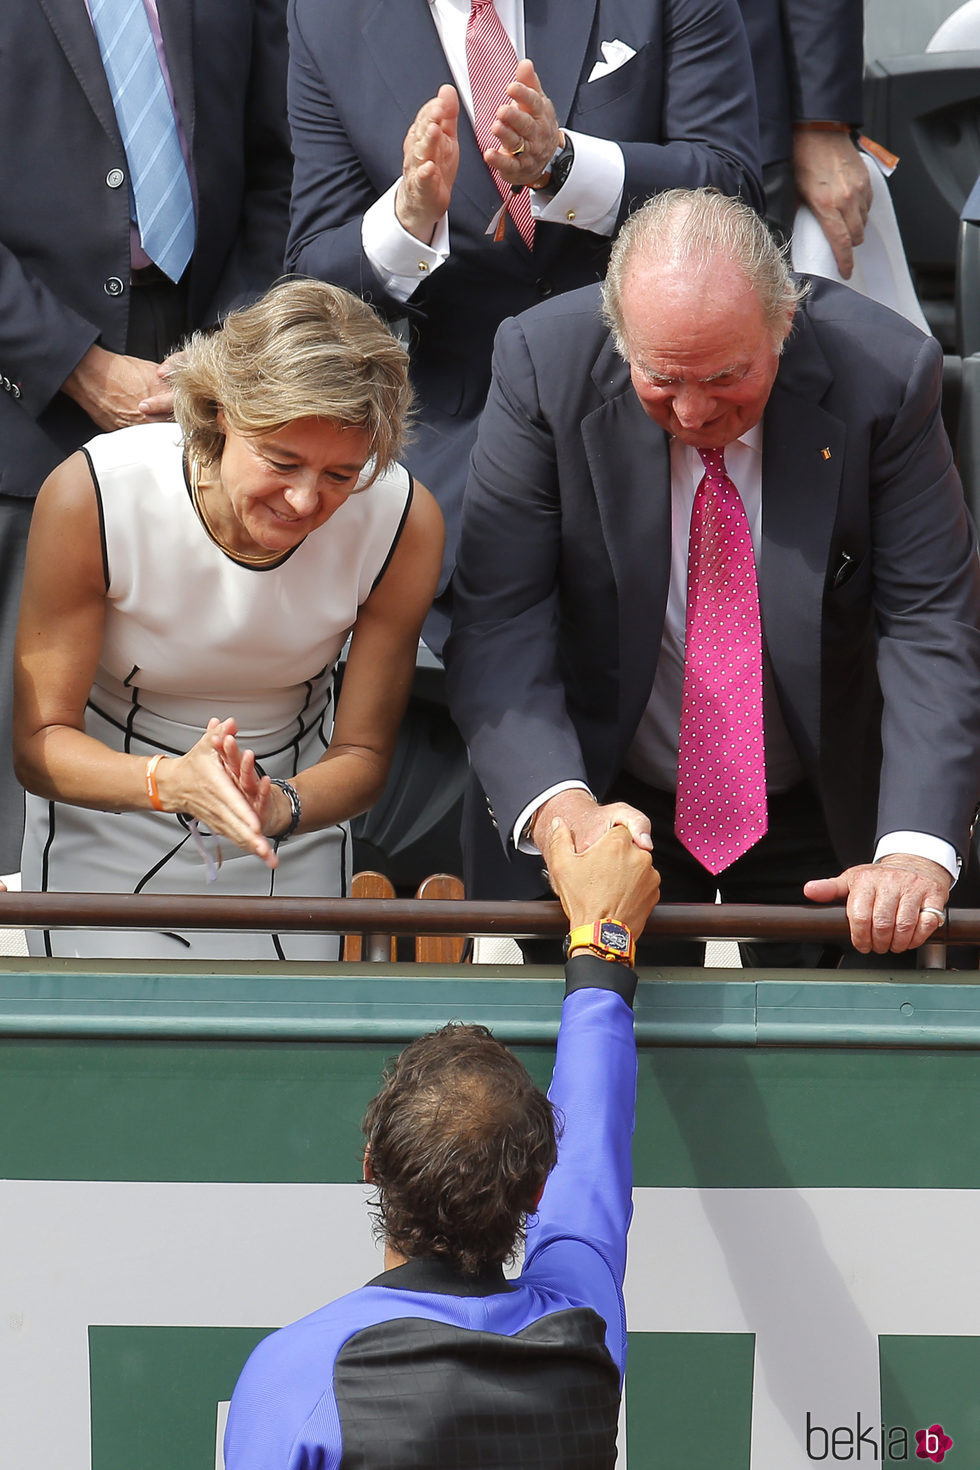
(460, 1143)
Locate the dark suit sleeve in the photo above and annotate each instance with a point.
(708, 131)
(505, 686)
(258, 254)
(927, 606)
(331, 186)
(825, 58)
(41, 338)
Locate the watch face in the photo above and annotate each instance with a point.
(615, 936)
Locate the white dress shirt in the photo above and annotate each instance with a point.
(588, 200)
(652, 755)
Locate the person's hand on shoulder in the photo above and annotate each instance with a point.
(112, 387)
(158, 407)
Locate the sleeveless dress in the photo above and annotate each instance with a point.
(191, 633)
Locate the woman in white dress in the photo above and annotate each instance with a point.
(188, 590)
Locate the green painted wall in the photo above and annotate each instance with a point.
(290, 1112)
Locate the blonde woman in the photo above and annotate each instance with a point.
(189, 588)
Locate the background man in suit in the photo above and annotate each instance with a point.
(809, 63)
(567, 669)
(622, 99)
(86, 316)
(440, 1361)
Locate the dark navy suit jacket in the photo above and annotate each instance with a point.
(682, 109)
(869, 583)
(64, 226)
(809, 61)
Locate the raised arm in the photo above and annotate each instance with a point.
(577, 1241)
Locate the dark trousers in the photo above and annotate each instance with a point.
(157, 315)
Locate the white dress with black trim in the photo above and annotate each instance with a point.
(191, 633)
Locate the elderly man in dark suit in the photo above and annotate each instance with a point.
(406, 155)
(588, 662)
(86, 314)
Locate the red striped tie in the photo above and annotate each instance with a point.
(492, 61)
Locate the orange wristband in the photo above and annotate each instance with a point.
(151, 781)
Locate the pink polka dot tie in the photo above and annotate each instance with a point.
(491, 61)
(721, 762)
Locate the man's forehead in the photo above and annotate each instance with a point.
(677, 312)
(661, 291)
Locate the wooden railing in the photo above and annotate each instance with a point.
(387, 917)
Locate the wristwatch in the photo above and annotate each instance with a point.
(558, 169)
(608, 938)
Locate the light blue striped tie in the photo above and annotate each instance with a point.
(159, 184)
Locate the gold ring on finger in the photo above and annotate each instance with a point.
(516, 152)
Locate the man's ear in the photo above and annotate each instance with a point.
(367, 1171)
(789, 318)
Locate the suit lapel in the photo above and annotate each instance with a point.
(556, 38)
(629, 463)
(803, 460)
(70, 23)
(175, 26)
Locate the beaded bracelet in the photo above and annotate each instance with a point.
(295, 806)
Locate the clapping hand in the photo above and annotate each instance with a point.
(430, 158)
(216, 783)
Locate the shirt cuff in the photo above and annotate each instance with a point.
(586, 971)
(400, 262)
(522, 843)
(591, 196)
(920, 844)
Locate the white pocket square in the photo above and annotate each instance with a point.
(614, 55)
